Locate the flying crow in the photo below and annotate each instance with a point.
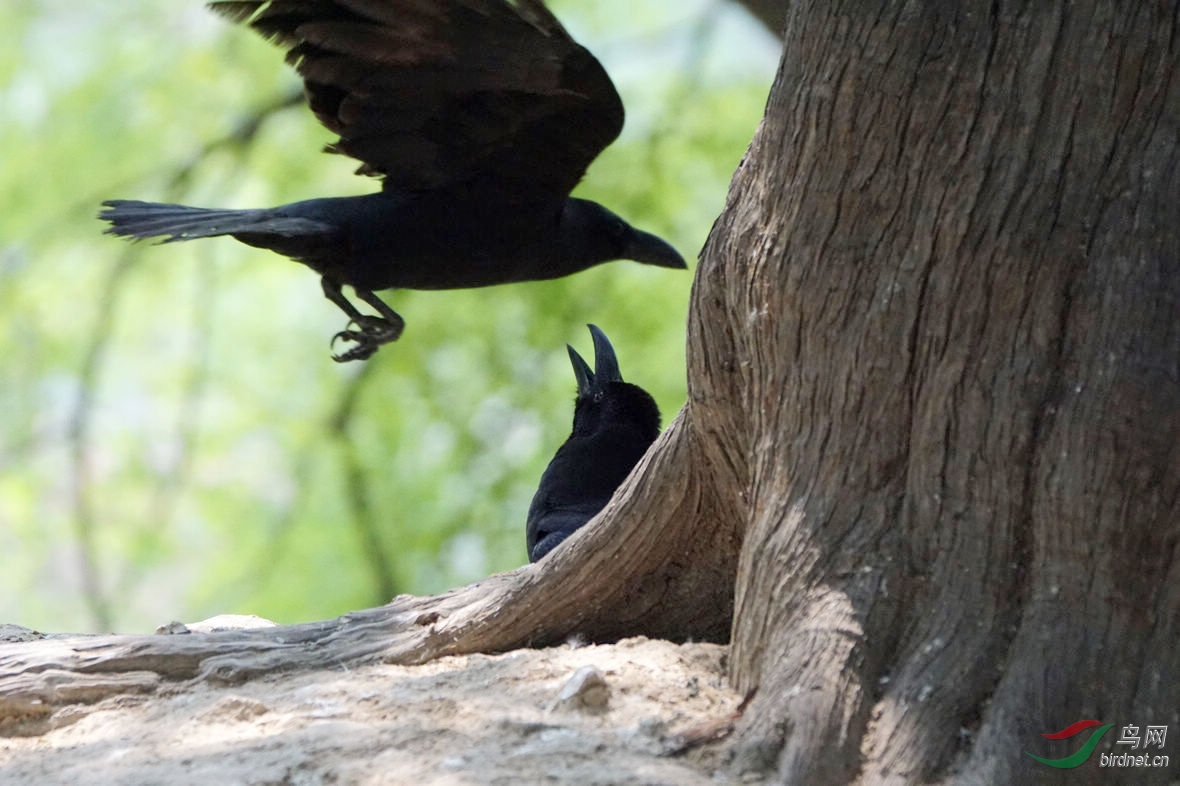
(479, 116)
(614, 423)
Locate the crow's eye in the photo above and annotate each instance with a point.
(598, 397)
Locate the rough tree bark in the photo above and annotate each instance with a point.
(928, 465)
(957, 348)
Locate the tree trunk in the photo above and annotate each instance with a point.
(938, 333)
(932, 428)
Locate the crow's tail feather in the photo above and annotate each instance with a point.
(130, 218)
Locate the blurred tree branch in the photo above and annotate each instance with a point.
(82, 414)
(79, 436)
(357, 488)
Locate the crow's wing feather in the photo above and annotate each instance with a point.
(432, 94)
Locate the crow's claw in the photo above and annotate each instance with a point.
(364, 349)
(368, 334)
(379, 329)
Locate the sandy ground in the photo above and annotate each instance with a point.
(461, 720)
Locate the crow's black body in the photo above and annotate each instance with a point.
(614, 424)
(480, 117)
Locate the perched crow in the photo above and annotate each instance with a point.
(614, 423)
(479, 116)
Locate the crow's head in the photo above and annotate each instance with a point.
(591, 234)
(605, 400)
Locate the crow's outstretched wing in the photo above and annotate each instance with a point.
(432, 94)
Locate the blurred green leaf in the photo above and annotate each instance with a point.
(171, 415)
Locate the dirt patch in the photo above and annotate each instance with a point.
(477, 719)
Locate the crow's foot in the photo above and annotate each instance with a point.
(368, 336)
(364, 349)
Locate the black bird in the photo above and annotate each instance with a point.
(614, 423)
(479, 116)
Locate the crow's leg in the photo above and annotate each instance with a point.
(373, 332)
(394, 324)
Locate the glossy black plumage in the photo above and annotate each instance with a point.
(479, 116)
(614, 424)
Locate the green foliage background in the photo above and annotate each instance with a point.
(175, 441)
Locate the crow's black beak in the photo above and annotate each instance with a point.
(606, 365)
(582, 373)
(650, 250)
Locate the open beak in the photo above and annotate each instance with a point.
(606, 365)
